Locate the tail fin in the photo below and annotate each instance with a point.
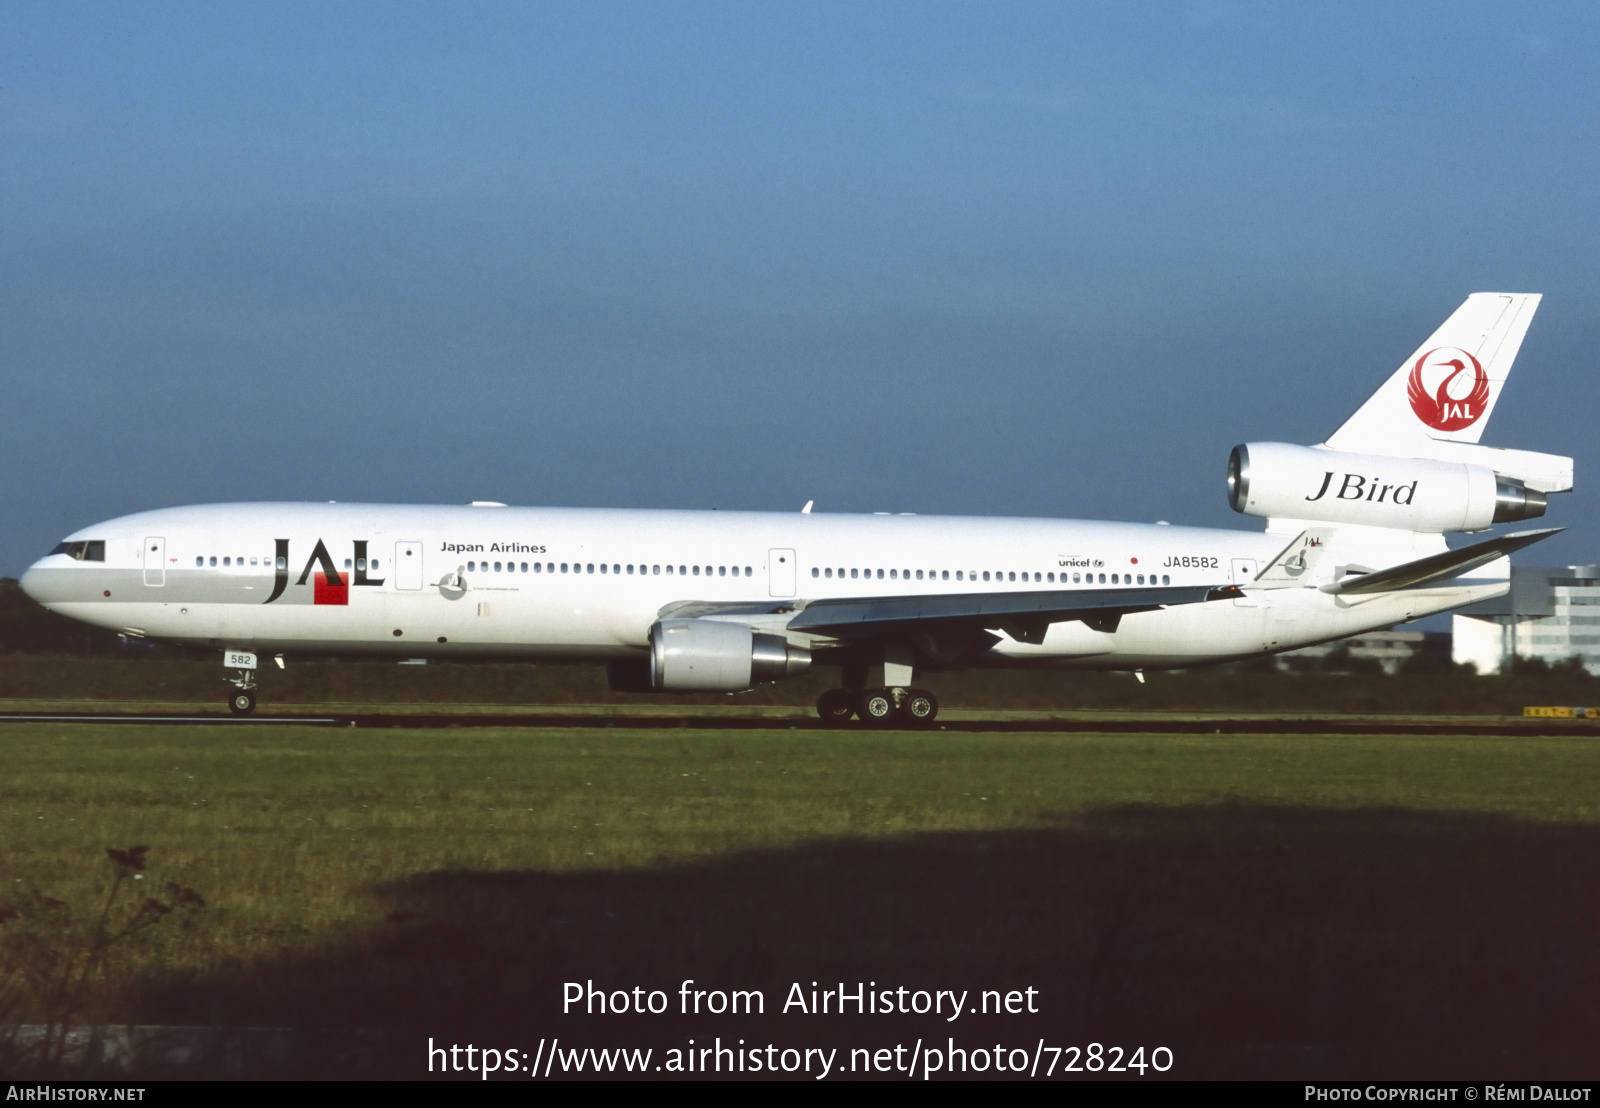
(1447, 389)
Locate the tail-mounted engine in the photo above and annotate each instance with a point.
(1300, 482)
(709, 655)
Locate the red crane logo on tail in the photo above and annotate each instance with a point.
(1448, 389)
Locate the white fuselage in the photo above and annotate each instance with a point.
(587, 584)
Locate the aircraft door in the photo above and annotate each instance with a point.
(1244, 573)
(781, 574)
(155, 561)
(408, 565)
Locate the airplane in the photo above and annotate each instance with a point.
(694, 601)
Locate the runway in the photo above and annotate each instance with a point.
(603, 717)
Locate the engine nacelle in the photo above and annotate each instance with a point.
(712, 655)
(1412, 494)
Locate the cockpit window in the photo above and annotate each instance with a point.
(91, 550)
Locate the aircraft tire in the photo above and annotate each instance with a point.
(920, 708)
(876, 708)
(242, 703)
(836, 706)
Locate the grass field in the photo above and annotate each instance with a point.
(197, 684)
(1267, 905)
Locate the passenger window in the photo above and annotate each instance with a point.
(657, 569)
(815, 572)
(361, 564)
(602, 567)
(1166, 579)
(880, 575)
(200, 561)
(985, 575)
(894, 575)
(524, 566)
(854, 573)
(945, 575)
(537, 567)
(615, 568)
(919, 575)
(563, 567)
(282, 563)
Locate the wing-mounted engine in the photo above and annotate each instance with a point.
(712, 655)
(1278, 480)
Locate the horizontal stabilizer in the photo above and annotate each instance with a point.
(885, 615)
(1438, 567)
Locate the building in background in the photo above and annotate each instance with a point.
(1370, 651)
(1551, 612)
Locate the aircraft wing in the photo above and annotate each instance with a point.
(1437, 567)
(1023, 615)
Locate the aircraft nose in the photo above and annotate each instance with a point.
(31, 582)
(50, 585)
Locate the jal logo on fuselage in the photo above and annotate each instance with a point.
(328, 585)
(1448, 389)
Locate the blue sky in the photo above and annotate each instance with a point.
(1032, 259)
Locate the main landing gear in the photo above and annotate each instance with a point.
(890, 707)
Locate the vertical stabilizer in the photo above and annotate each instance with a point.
(1446, 390)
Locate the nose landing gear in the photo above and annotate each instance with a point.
(242, 701)
(887, 707)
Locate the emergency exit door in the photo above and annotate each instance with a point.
(781, 576)
(408, 565)
(155, 561)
